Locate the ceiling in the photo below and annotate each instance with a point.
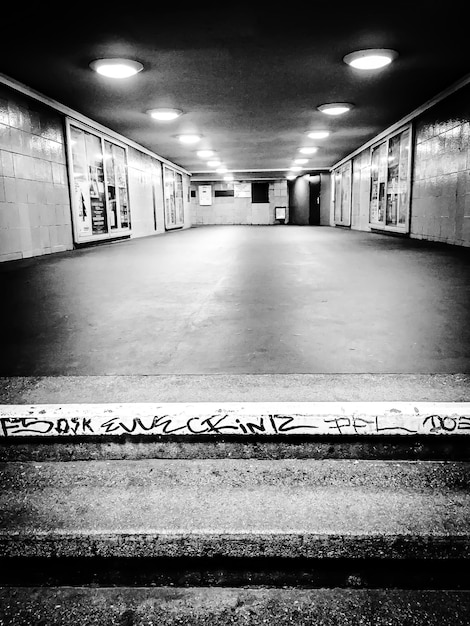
(248, 77)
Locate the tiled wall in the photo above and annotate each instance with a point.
(441, 173)
(440, 182)
(35, 216)
(231, 210)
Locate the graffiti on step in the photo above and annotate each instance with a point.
(39, 423)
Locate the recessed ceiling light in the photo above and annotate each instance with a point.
(189, 138)
(308, 150)
(296, 168)
(318, 134)
(214, 163)
(371, 59)
(205, 153)
(229, 177)
(116, 68)
(335, 108)
(164, 115)
(221, 170)
(300, 161)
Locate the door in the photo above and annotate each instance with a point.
(314, 200)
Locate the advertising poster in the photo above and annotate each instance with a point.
(82, 201)
(97, 201)
(172, 209)
(81, 185)
(124, 206)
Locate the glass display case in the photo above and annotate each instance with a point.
(342, 194)
(100, 198)
(174, 199)
(390, 182)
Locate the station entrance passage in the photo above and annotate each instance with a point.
(261, 412)
(239, 300)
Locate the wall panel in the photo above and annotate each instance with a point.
(35, 215)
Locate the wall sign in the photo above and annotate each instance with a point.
(242, 190)
(205, 195)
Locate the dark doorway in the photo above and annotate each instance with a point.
(314, 200)
(304, 200)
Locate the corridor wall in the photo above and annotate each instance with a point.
(228, 207)
(438, 195)
(35, 216)
(36, 195)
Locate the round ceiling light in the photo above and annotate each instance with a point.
(300, 161)
(295, 168)
(221, 170)
(308, 150)
(229, 177)
(371, 59)
(214, 163)
(335, 108)
(164, 115)
(204, 154)
(116, 68)
(318, 134)
(189, 138)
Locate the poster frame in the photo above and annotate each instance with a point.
(405, 227)
(345, 220)
(115, 233)
(178, 223)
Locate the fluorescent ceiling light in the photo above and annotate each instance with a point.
(116, 68)
(189, 138)
(214, 163)
(335, 108)
(318, 134)
(300, 161)
(308, 150)
(205, 153)
(371, 59)
(164, 115)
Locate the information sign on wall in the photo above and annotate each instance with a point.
(205, 195)
(242, 190)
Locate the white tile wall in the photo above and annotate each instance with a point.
(35, 216)
(231, 210)
(441, 175)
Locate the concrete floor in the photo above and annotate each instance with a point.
(196, 606)
(239, 300)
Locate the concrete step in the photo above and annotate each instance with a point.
(225, 508)
(83, 431)
(231, 607)
(236, 388)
